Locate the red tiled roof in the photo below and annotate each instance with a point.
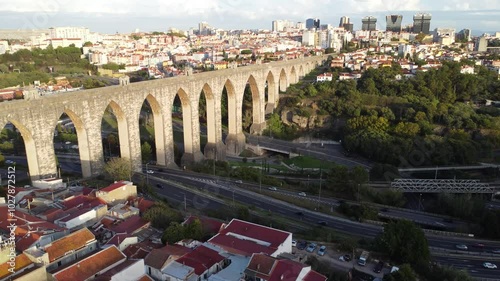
(262, 265)
(239, 247)
(209, 225)
(73, 241)
(130, 225)
(286, 270)
(108, 275)
(90, 266)
(84, 201)
(21, 262)
(117, 239)
(201, 259)
(145, 278)
(272, 236)
(314, 276)
(114, 186)
(158, 257)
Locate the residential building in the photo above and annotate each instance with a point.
(123, 211)
(129, 270)
(481, 44)
(393, 23)
(64, 250)
(69, 32)
(262, 267)
(118, 192)
(245, 238)
(344, 20)
(80, 217)
(24, 270)
(422, 23)
(309, 38)
(159, 258)
(369, 23)
(324, 77)
(312, 23)
(444, 36)
(91, 266)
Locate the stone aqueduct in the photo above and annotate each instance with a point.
(36, 119)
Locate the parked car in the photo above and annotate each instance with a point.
(301, 245)
(303, 194)
(311, 247)
(294, 243)
(322, 250)
(239, 181)
(461, 247)
(159, 186)
(489, 265)
(346, 257)
(378, 267)
(272, 188)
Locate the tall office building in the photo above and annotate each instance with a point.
(369, 23)
(312, 23)
(464, 34)
(393, 23)
(344, 20)
(349, 27)
(422, 23)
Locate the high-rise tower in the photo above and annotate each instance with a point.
(422, 23)
(369, 23)
(393, 23)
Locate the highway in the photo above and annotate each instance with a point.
(473, 265)
(333, 153)
(438, 243)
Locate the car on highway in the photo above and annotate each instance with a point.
(378, 267)
(346, 257)
(489, 265)
(324, 223)
(272, 188)
(478, 245)
(322, 250)
(496, 251)
(461, 247)
(159, 186)
(303, 194)
(150, 172)
(294, 243)
(299, 213)
(384, 210)
(239, 181)
(9, 162)
(311, 247)
(301, 245)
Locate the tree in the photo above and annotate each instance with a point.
(405, 273)
(119, 169)
(194, 230)
(173, 234)
(404, 242)
(2, 159)
(147, 152)
(161, 216)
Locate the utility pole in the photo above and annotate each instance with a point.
(233, 197)
(260, 177)
(215, 159)
(320, 174)
(185, 202)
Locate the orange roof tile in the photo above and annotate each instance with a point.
(74, 241)
(21, 262)
(90, 266)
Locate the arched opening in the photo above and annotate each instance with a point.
(71, 140)
(206, 111)
(114, 132)
(301, 72)
(17, 149)
(228, 109)
(151, 130)
(271, 93)
(251, 105)
(181, 126)
(283, 83)
(293, 76)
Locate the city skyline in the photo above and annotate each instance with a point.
(111, 17)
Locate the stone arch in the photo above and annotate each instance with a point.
(293, 75)
(301, 72)
(186, 123)
(308, 67)
(258, 110)
(210, 104)
(123, 137)
(158, 129)
(31, 151)
(233, 124)
(283, 82)
(83, 141)
(272, 93)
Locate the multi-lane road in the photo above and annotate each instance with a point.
(441, 245)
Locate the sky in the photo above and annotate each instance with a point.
(111, 16)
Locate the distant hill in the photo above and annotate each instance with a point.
(21, 34)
